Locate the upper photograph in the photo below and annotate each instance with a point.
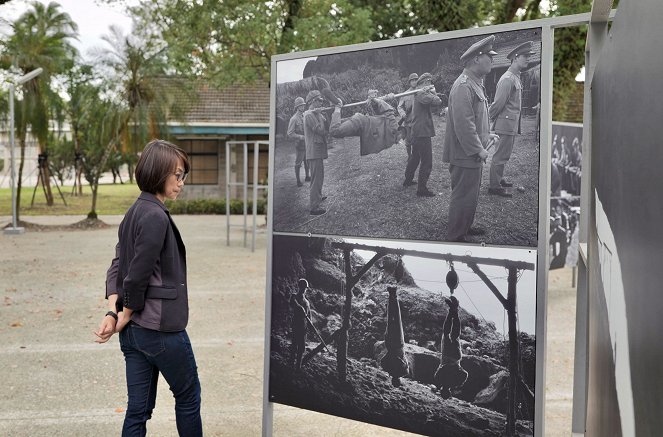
(434, 141)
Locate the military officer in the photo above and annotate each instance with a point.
(315, 137)
(505, 114)
(296, 133)
(405, 110)
(466, 138)
(422, 132)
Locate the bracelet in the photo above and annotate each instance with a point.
(112, 314)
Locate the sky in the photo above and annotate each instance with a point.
(291, 70)
(473, 295)
(92, 17)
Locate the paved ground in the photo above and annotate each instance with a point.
(57, 382)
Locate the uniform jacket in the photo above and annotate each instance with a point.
(315, 135)
(505, 110)
(375, 132)
(467, 122)
(405, 108)
(422, 120)
(296, 130)
(149, 270)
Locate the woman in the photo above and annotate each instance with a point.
(147, 296)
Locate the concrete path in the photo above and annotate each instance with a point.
(58, 382)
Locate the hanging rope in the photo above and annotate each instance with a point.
(472, 302)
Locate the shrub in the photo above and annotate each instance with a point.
(213, 206)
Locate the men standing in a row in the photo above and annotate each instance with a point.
(466, 138)
(405, 110)
(505, 113)
(315, 136)
(296, 133)
(422, 131)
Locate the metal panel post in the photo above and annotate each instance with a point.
(256, 155)
(227, 193)
(245, 187)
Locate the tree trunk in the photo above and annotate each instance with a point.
(47, 184)
(95, 187)
(78, 188)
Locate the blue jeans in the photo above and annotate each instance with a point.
(146, 353)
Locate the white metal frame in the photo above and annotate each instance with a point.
(547, 27)
(255, 187)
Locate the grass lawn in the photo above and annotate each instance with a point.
(366, 197)
(111, 199)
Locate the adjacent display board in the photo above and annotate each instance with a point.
(565, 176)
(625, 376)
(404, 289)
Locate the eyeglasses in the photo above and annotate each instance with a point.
(181, 177)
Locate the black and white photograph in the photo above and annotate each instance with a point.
(565, 175)
(429, 338)
(434, 141)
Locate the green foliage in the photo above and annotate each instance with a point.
(138, 69)
(569, 55)
(245, 35)
(40, 38)
(418, 17)
(60, 157)
(213, 206)
(327, 23)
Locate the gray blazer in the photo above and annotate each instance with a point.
(149, 269)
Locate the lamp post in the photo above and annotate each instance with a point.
(14, 229)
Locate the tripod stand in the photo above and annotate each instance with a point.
(42, 162)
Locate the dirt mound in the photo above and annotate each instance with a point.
(86, 224)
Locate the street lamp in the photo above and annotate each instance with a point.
(14, 229)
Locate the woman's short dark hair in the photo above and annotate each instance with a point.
(158, 161)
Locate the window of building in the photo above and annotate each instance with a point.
(204, 160)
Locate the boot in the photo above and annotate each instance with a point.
(299, 182)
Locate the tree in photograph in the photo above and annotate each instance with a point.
(40, 38)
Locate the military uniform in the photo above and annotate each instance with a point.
(376, 132)
(315, 137)
(467, 135)
(421, 133)
(506, 115)
(296, 133)
(405, 111)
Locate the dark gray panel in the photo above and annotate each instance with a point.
(627, 155)
(602, 408)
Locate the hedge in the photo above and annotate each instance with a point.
(213, 206)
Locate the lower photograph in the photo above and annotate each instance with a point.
(429, 338)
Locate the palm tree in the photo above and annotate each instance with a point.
(145, 99)
(140, 71)
(40, 38)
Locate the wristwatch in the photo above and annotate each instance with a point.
(112, 314)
